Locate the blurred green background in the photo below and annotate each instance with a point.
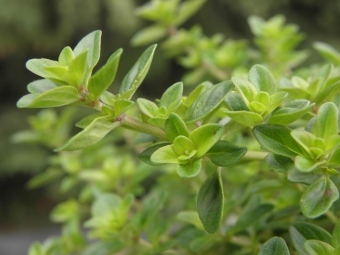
(41, 28)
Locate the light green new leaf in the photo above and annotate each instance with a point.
(37, 66)
(189, 169)
(224, 153)
(121, 106)
(306, 165)
(328, 52)
(275, 245)
(90, 135)
(65, 56)
(145, 155)
(208, 101)
(204, 137)
(195, 94)
(55, 97)
(301, 231)
(183, 145)
(335, 158)
(316, 247)
(190, 217)
(318, 197)
(172, 97)
(137, 73)
(262, 79)
(175, 126)
(65, 211)
(36, 249)
(326, 123)
(186, 10)
(246, 118)
(276, 139)
(103, 78)
(149, 35)
(40, 86)
(210, 202)
(336, 235)
(291, 112)
(147, 107)
(77, 70)
(90, 43)
(165, 154)
(246, 89)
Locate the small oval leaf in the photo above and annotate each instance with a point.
(318, 197)
(210, 202)
(274, 246)
(90, 135)
(208, 101)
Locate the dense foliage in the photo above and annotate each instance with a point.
(247, 165)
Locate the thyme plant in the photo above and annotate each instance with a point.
(248, 164)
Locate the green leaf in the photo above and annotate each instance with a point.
(295, 175)
(65, 211)
(183, 145)
(316, 247)
(90, 43)
(210, 202)
(40, 86)
(175, 126)
(77, 70)
(328, 52)
(65, 56)
(306, 165)
(121, 106)
(90, 135)
(326, 124)
(279, 163)
(172, 97)
(165, 154)
(145, 156)
(197, 92)
(103, 78)
(37, 66)
(149, 35)
(251, 216)
(236, 103)
(291, 112)
(55, 97)
(318, 197)
(301, 231)
(83, 123)
(246, 118)
(276, 139)
(44, 178)
(208, 101)
(246, 89)
(137, 73)
(262, 79)
(190, 217)
(336, 235)
(224, 153)
(189, 169)
(204, 137)
(147, 107)
(275, 245)
(36, 249)
(186, 10)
